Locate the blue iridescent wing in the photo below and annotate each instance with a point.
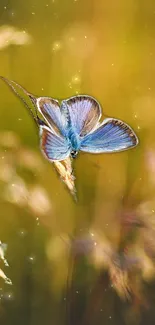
(111, 136)
(84, 113)
(51, 112)
(54, 147)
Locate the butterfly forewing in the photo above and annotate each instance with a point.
(111, 136)
(84, 113)
(50, 110)
(53, 146)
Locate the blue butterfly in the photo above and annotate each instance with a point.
(74, 125)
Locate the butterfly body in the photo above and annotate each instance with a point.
(74, 140)
(70, 131)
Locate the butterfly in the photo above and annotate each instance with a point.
(74, 125)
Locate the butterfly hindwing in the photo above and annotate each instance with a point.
(84, 113)
(111, 136)
(54, 147)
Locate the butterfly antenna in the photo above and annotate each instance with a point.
(12, 85)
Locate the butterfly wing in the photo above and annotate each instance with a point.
(53, 146)
(84, 113)
(111, 136)
(50, 110)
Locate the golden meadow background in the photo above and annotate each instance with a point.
(91, 262)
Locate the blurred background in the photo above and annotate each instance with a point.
(93, 261)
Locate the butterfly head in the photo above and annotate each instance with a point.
(74, 153)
